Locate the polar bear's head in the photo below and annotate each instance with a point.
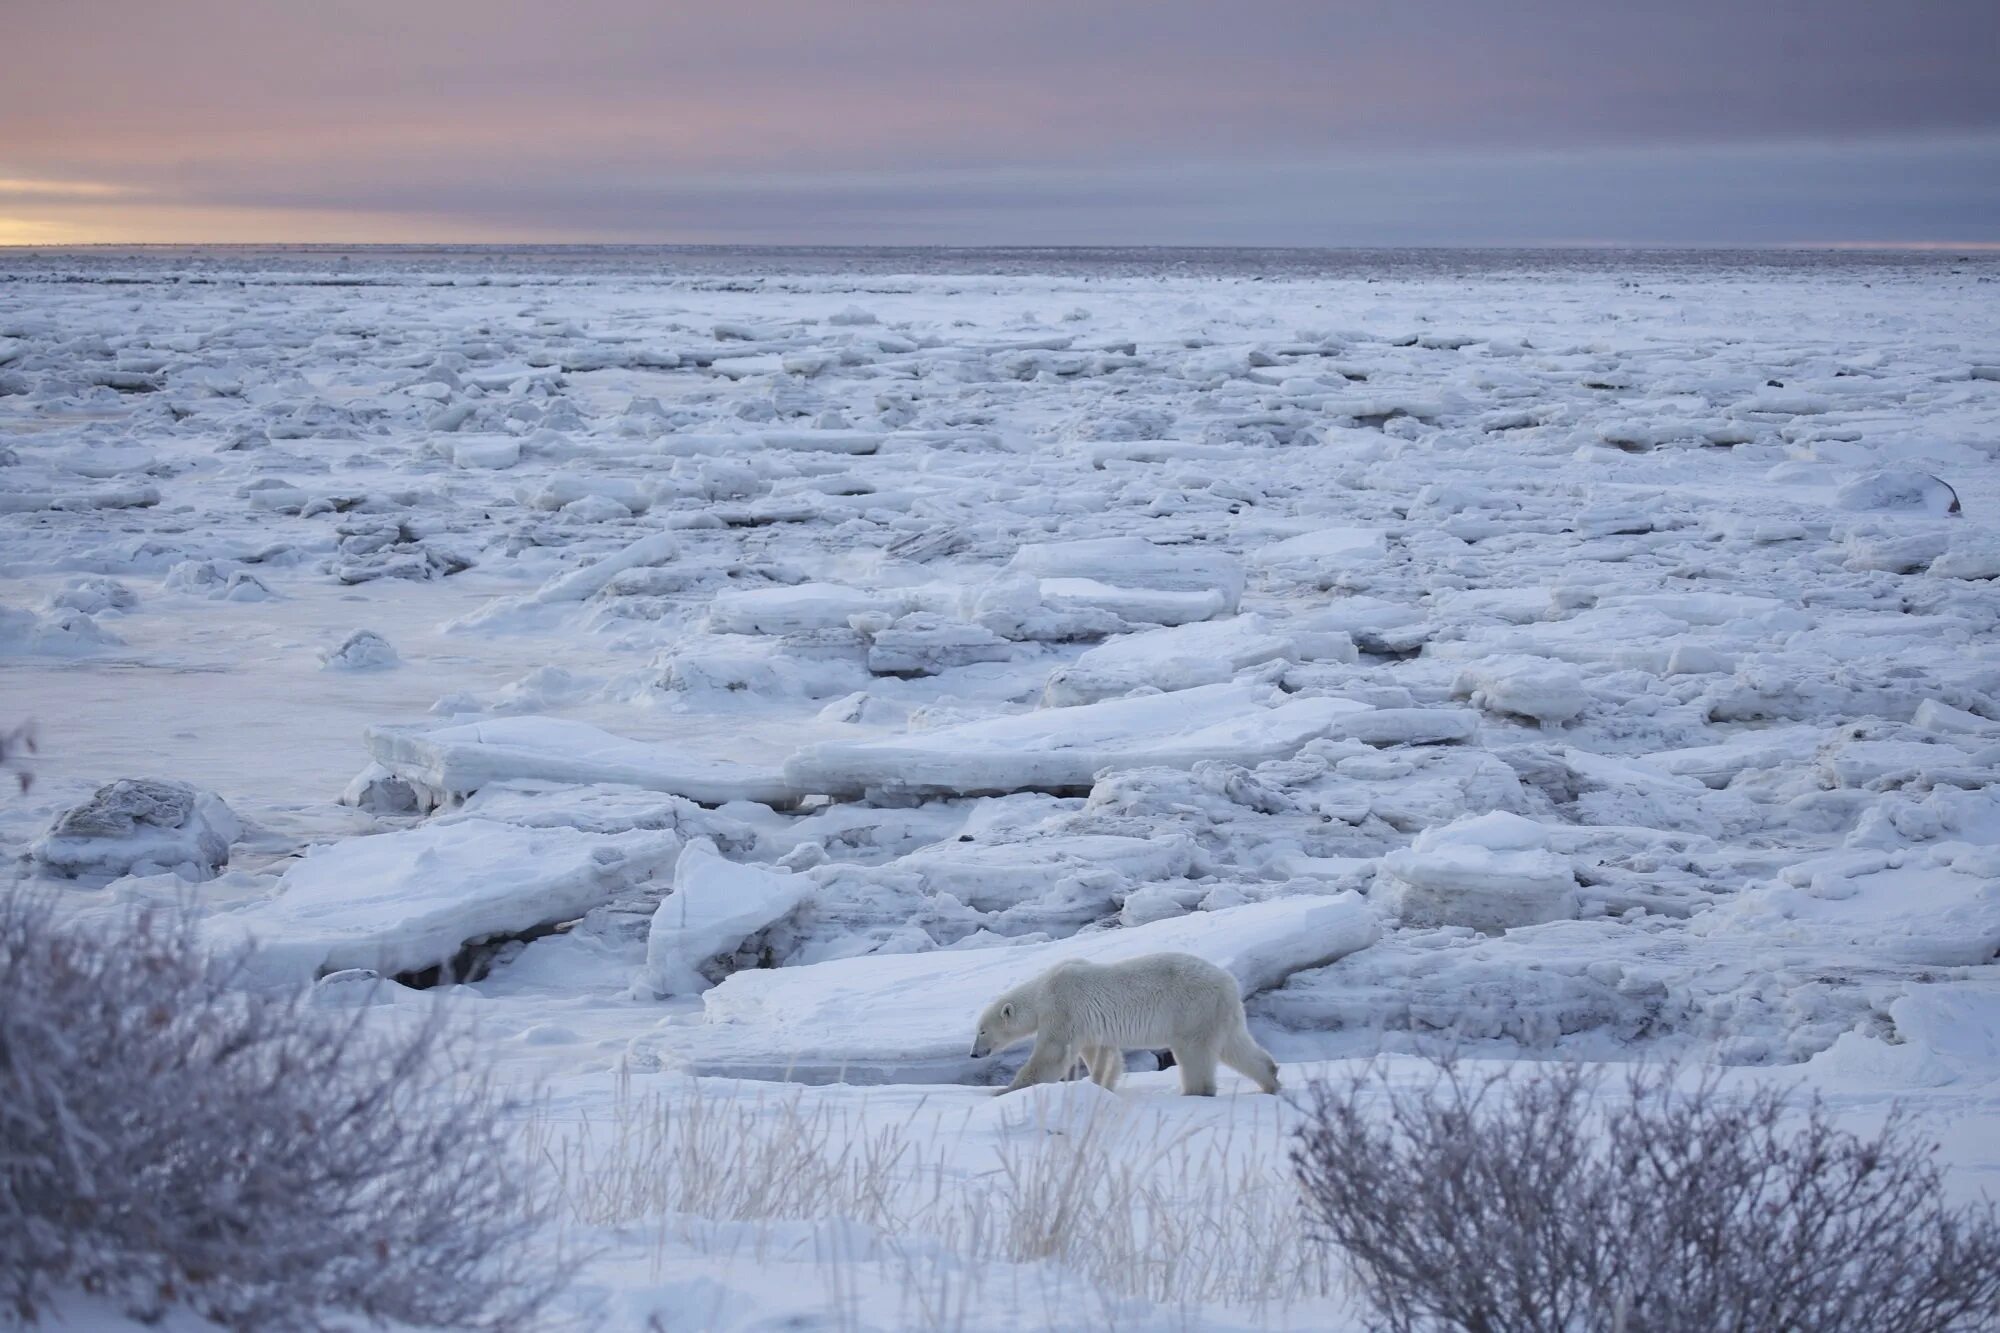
(1006, 1021)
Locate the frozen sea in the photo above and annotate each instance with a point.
(737, 665)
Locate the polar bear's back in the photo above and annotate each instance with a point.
(1152, 1000)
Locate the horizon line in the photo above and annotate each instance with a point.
(1912, 246)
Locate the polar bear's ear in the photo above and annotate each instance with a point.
(1006, 1011)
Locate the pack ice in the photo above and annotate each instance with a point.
(1553, 656)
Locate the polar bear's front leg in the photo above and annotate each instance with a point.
(1049, 1062)
(1106, 1063)
(1196, 1062)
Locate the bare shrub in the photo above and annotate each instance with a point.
(168, 1138)
(1528, 1204)
(16, 744)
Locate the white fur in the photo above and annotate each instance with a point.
(1174, 1000)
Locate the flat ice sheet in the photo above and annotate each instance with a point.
(397, 902)
(453, 761)
(1057, 748)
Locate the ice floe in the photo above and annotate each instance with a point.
(448, 763)
(1054, 749)
(405, 901)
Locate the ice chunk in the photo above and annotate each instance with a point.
(378, 791)
(451, 762)
(62, 632)
(715, 905)
(1012, 607)
(749, 668)
(1936, 715)
(1858, 763)
(488, 452)
(1062, 748)
(924, 643)
(1920, 908)
(1138, 606)
(583, 583)
(909, 1017)
(1132, 562)
(1715, 765)
(140, 826)
(1408, 726)
(1531, 687)
(93, 595)
(1490, 872)
(1898, 489)
(1945, 1032)
(1325, 554)
(1174, 658)
(998, 876)
(399, 902)
(788, 610)
(1693, 658)
(794, 441)
(116, 497)
(363, 650)
(1969, 559)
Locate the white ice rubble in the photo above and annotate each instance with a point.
(1629, 642)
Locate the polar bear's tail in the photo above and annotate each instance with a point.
(1247, 1058)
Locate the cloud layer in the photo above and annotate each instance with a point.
(1113, 121)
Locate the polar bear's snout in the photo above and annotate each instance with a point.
(998, 1028)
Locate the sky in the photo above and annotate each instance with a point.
(1028, 122)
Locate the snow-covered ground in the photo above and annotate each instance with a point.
(1594, 659)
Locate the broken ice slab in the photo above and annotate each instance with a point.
(446, 764)
(1324, 554)
(908, 1018)
(1491, 872)
(791, 441)
(1173, 658)
(399, 902)
(1523, 686)
(1136, 606)
(790, 610)
(1057, 749)
(715, 905)
(1716, 765)
(1132, 562)
(1935, 906)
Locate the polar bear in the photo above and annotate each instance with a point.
(1174, 1000)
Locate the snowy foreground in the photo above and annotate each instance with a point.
(740, 679)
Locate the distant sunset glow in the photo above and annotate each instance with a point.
(1843, 122)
